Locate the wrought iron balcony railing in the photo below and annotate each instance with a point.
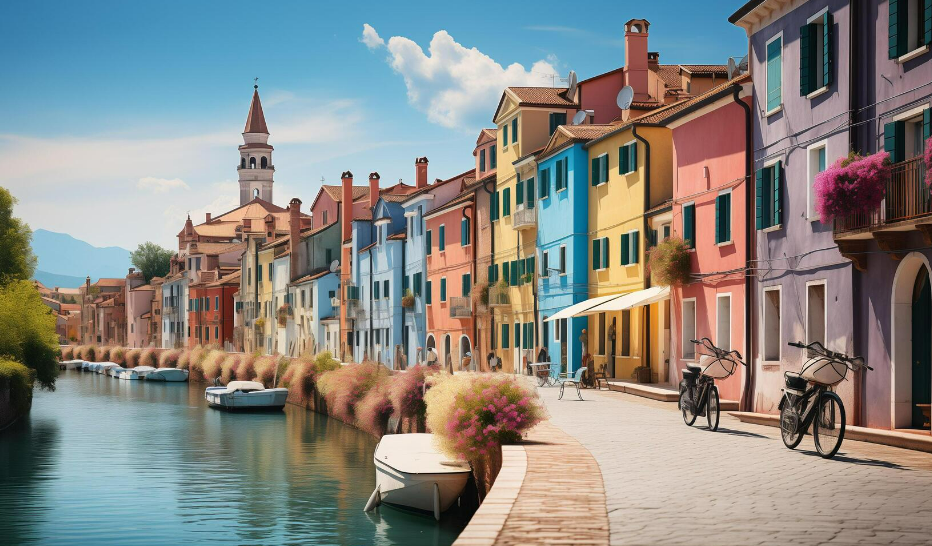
(907, 198)
(498, 296)
(460, 308)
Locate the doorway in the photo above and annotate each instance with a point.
(921, 349)
(911, 347)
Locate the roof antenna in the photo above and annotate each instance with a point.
(256, 82)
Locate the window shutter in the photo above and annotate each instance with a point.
(443, 289)
(519, 192)
(493, 162)
(514, 273)
(429, 242)
(464, 232)
(927, 113)
(467, 284)
(504, 336)
(530, 193)
(505, 136)
(805, 59)
(827, 54)
(481, 160)
(899, 28)
(442, 238)
(622, 160)
(506, 207)
(927, 26)
(514, 130)
(375, 290)
(604, 252)
(405, 283)
(758, 193)
(595, 171)
(429, 289)
(894, 136)
(777, 207)
(688, 225)
(491, 274)
(530, 264)
(517, 335)
(559, 175)
(596, 261)
(604, 176)
(521, 265)
(728, 217)
(624, 249)
(553, 126)
(634, 242)
(633, 157)
(544, 183)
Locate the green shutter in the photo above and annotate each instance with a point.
(604, 176)
(467, 284)
(899, 28)
(530, 193)
(777, 184)
(560, 180)
(604, 252)
(758, 197)
(718, 219)
(595, 171)
(728, 217)
(806, 79)
(464, 232)
(375, 290)
(632, 157)
(521, 265)
(624, 249)
(491, 274)
(506, 206)
(442, 238)
(635, 243)
(514, 273)
(689, 226)
(544, 182)
(828, 54)
(927, 25)
(428, 287)
(774, 73)
(596, 261)
(519, 192)
(514, 130)
(894, 137)
(405, 283)
(622, 160)
(530, 264)
(517, 335)
(493, 154)
(927, 117)
(443, 289)
(429, 242)
(505, 136)
(553, 125)
(504, 336)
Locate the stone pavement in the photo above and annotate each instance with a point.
(666, 483)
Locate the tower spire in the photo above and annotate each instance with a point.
(255, 122)
(255, 162)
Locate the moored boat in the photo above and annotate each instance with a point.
(411, 472)
(71, 364)
(246, 396)
(139, 372)
(105, 367)
(172, 375)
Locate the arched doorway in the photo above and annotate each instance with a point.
(466, 347)
(431, 344)
(911, 347)
(447, 356)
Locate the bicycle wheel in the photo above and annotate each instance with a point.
(712, 408)
(789, 422)
(688, 416)
(828, 428)
(541, 380)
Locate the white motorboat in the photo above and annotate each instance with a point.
(105, 367)
(246, 396)
(139, 372)
(412, 473)
(90, 366)
(173, 375)
(71, 364)
(116, 371)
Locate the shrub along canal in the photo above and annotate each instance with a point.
(104, 461)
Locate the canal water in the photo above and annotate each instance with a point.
(103, 461)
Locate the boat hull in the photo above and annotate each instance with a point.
(264, 400)
(171, 375)
(416, 491)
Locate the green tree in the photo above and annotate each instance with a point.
(27, 331)
(152, 260)
(17, 262)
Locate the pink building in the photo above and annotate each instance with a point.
(138, 315)
(710, 192)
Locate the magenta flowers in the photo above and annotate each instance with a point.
(851, 185)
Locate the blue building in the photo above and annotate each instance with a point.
(562, 238)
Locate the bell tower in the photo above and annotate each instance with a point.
(255, 167)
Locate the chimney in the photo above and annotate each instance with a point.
(131, 271)
(208, 217)
(294, 228)
(636, 57)
(347, 204)
(373, 189)
(420, 168)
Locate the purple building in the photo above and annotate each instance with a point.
(859, 285)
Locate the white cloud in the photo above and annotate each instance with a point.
(456, 86)
(161, 185)
(370, 37)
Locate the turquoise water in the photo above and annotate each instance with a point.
(102, 461)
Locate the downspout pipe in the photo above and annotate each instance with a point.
(747, 398)
(491, 191)
(854, 9)
(472, 274)
(647, 332)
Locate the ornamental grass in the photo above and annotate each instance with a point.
(472, 414)
(168, 359)
(265, 367)
(853, 184)
(132, 357)
(345, 387)
(228, 368)
(67, 353)
(245, 370)
(212, 364)
(669, 262)
(103, 354)
(375, 407)
(89, 353)
(407, 391)
(118, 355)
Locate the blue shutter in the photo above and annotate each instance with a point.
(634, 242)
(806, 33)
(596, 261)
(559, 175)
(595, 171)
(777, 183)
(624, 249)
(827, 48)
(774, 74)
(544, 182)
(758, 197)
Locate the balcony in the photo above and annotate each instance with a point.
(498, 296)
(524, 219)
(335, 302)
(460, 308)
(256, 168)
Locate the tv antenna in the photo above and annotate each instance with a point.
(625, 97)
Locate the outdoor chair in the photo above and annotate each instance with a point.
(601, 376)
(575, 380)
(554, 376)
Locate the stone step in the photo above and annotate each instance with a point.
(663, 393)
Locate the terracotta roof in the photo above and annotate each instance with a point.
(216, 248)
(147, 314)
(207, 276)
(463, 176)
(311, 277)
(255, 123)
(110, 282)
(142, 288)
(705, 69)
(363, 215)
(603, 74)
(465, 197)
(659, 207)
(70, 307)
(394, 198)
(336, 192)
(527, 155)
(543, 96)
(575, 133)
(487, 135)
(232, 278)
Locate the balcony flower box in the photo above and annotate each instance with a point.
(852, 185)
(669, 262)
(407, 300)
(928, 161)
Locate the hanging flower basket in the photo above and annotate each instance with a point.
(669, 262)
(928, 161)
(408, 299)
(855, 184)
(284, 312)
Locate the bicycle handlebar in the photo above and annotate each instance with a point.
(721, 353)
(856, 361)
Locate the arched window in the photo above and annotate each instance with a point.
(255, 193)
(265, 162)
(252, 163)
(242, 162)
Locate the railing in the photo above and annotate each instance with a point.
(524, 219)
(460, 308)
(498, 296)
(256, 168)
(907, 197)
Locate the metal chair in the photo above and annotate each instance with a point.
(575, 380)
(601, 376)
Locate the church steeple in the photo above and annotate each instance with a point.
(255, 156)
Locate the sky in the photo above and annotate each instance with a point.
(120, 118)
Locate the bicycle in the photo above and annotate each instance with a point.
(698, 393)
(808, 394)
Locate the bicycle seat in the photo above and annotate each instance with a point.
(693, 368)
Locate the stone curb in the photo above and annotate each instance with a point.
(487, 523)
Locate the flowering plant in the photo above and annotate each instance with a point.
(928, 161)
(669, 262)
(852, 184)
(346, 386)
(407, 391)
(375, 407)
(472, 414)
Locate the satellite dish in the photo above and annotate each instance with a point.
(625, 97)
(334, 266)
(579, 117)
(571, 83)
(743, 64)
(732, 67)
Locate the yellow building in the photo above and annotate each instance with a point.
(525, 119)
(623, 165)
(266, 312)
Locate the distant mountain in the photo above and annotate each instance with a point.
(65, 261)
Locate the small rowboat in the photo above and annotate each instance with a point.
(173, 375)
(246, 396)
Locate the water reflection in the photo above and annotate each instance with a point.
(103, 461)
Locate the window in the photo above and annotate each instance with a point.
(493, 274)
(467, 284)
(544, 181)
(429, 243)
(270, 272)
(600, 170)
(774, 73)
(545, 263)
(325, 218)
(910, 26)
(771, 330)
(492, 158)
(517, 335)
(601, 334)
(519, 192)
(816, 158)
(689, 329)
(529, 187)
(385, 291)
(815, 54)
(600, 253)
(248, 276)
(442, 238)
(767, 190)
(417, 284)
(493, 206)
(723, 218)
(375, 290)
(723, 321)
(562, 174)
(556, 120)
(216, 332)
(563, 259)
(464, 232)
(482, 160)
(259, 274)
(815, 312)
(905, 138)
(629, 248)
(556, 330)
(328, 256)
(506, 202)
(628, 158)
(514, 131)
(626, 332)
(443, 289)
(505, 136)
(505, 336)
(689, 224)
(428, 297)
(378, 335)
(216, 303)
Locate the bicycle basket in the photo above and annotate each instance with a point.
(824, 371)
(716, 368)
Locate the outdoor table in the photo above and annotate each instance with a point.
(541, 371)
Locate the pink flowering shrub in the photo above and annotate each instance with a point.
(851, 185)
(245, 369)
(212, 364)
(473, 414)
(103, 354)
(344, 388)
(375, 407)
(407, 391)
(228, 368)
(928, 161)
(168, 359)
(265, 369)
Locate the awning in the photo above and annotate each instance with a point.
(581, 307)
(633, 299)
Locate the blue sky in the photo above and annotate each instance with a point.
(121, 117)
